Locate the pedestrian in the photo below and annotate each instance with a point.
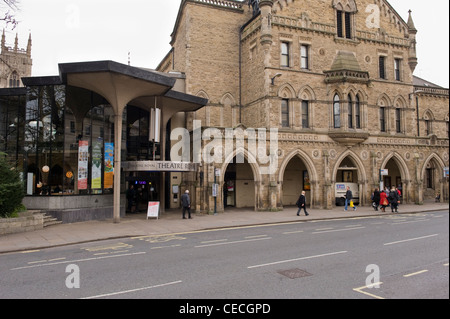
(131, 197)
(301, 204)
(394, 200)
(376, 199)
(349, 199)
(186, 204)
(383, 201)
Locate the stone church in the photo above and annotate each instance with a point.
(15, 63)
(334, 77)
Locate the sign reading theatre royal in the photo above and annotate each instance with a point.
(159, 166)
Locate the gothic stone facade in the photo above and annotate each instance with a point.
(15, 63)
(335, 77)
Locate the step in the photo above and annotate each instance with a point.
(50, 221)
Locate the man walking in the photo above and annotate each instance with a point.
(349, 198)
(186, 204)
(301, 204)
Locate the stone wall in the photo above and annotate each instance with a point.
(26, 222)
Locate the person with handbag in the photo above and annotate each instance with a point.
(376, 199)
(383, 201)
(349, 199)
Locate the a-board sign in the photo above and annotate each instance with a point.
(153, 210)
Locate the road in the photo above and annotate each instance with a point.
(385, 257)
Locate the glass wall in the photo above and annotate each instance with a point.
(62, 138)
(44, 139)
(12, 111)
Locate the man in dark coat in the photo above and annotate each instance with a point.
(301, 204)
(376, 199)
(393, 199)
(186, 204)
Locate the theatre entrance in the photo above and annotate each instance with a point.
(143, 187)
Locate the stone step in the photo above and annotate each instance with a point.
(50, 221)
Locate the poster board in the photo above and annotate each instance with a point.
(153, 210)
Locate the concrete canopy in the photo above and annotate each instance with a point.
(121, 84)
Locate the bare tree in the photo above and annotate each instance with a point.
(7, 12)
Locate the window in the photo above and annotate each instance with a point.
(358, 112)
(350, 112)
(344, 24)
(428, 129)
(429, 178)
(397, 68)
(305, 114)
(337, 112)
(285, 54)
(285, 113)
(382, 67)
(398, 120)
(383, 119)
(304, 57)
(14, 80)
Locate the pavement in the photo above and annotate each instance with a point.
(170, 222)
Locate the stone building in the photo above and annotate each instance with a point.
(335, 78)
(15, 63)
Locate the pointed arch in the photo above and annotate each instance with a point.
(362, 175)
(398, 159)
(306, 92)
(305, 158)
(431, 157)
(286, 91)
(345, 5)
(251, 159)
(384, 100)
(228, 100)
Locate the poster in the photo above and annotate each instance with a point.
(83, 157)
(153, 210)
(97, 165)
(109, 165)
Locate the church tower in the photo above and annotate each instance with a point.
(15, 63)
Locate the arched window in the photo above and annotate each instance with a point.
(14, 80)
(337, 111)
(345, 11)
(358, 112)
(350, 111)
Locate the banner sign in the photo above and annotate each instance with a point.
(83, 156)
(109, 165)
(158, 166)
(97, 158)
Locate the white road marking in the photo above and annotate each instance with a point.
(133, 290)
(412, 239)
(233, 242)
(297, 259)
(77, 261)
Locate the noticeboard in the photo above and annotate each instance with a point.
(153, 210)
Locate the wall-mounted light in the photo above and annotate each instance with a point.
(276, 76)
(45, 169)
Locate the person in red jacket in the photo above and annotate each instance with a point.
(383, 201)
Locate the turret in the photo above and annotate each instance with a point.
(412, 31)
(3, 45)
(266, 25)
(29, 46)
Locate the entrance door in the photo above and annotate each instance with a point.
(146, 187)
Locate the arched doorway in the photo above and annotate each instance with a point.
(433, 181)
(349, 173)
(398, 175)
(296, 179)
(239, 185)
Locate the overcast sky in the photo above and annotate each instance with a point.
(88, 30)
